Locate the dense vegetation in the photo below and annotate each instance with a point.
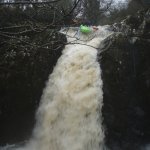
(29, 48)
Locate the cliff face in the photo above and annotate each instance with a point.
(126, 76)
(23, 74)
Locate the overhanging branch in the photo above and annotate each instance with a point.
(28, 2)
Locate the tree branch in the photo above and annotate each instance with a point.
(28, 2)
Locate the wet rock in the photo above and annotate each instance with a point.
(126, 77)
(137, 25)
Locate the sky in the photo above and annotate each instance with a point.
(121, 1)
(118, 2)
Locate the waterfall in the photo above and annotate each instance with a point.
(69, 115)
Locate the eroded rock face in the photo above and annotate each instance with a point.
(126, 76)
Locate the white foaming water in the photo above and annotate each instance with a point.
(69, 116)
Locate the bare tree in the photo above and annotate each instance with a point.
(91, 10)
(37, 17)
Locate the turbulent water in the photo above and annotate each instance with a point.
(69, 116)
